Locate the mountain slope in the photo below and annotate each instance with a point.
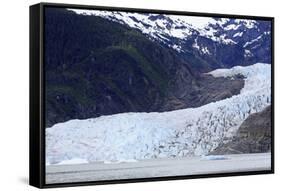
(187, 132)
(96, 67)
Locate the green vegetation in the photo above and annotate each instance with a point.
(157, 77)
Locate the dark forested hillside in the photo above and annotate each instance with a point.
(95, 67)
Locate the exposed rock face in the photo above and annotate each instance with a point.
(202, 90)
(253, 136)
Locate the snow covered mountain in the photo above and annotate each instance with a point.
(179, 133)
(200, 34)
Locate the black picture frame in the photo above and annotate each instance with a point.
(37, 95)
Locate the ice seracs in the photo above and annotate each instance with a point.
(179, 133)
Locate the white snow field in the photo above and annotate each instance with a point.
(179, 133)
(157, 168)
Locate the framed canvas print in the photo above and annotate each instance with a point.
(127, 95)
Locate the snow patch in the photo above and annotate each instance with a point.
(202, 50)
(195, 45)
(247, 23)
(205, 50)
(247, 53)
(226, 40)
(238, 34)
(176, 47)
(252, 41)
(232, 27)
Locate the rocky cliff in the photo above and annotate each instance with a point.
(253, 136)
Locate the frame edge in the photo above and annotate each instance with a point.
(35, 153)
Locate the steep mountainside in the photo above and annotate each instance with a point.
(253, 136)
(213, 42)
(95, 66)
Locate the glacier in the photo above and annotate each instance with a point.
(179, 133)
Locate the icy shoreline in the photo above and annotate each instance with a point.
(157, 168)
